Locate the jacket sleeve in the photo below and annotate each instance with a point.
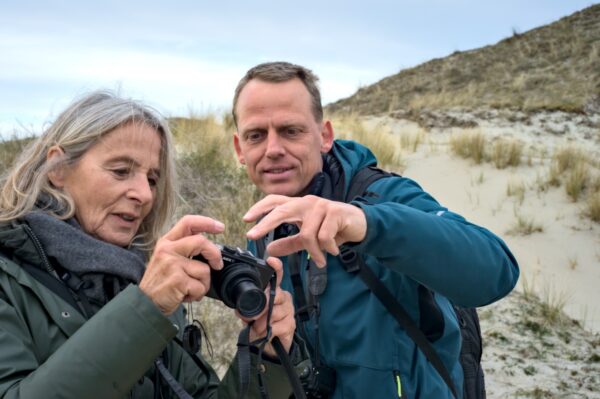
(409, 232)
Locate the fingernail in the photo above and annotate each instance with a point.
(251, 231)
(219, 225)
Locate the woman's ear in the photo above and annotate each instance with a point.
(56, 174)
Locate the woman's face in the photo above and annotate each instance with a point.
(114, 184)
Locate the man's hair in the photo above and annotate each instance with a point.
(81, 125)
(278, 72)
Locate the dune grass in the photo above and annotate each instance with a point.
(554, 67)
(384, 145)
(506, 153)
(468, 143)
(10, 149)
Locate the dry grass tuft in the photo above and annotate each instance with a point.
(524, 226)
(468, 143)
(577, 180)
(379, 140)
(592, 209)
(506, 153)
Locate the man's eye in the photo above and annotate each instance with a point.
(254, 136)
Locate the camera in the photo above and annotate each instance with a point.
(240, 284)
(318, 382)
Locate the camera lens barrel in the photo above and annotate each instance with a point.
(250, 300)
(240, 289)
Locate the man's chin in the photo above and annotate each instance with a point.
(280, 189)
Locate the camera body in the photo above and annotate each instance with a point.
(240, 284)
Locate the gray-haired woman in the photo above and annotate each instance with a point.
(85, 207)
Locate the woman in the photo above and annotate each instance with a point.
(84, 207)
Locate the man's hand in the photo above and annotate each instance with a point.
(324, 225)
(282, 320)
(171, 277)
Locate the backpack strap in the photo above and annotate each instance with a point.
(354, 263)
(363, 179)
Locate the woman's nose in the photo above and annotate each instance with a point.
(141, 190)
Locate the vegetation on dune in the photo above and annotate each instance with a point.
(554, 67)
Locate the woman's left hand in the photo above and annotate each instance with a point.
(283, 324)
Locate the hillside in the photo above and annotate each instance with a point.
(553, 67)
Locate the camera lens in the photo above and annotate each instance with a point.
(250, 300)
(240, 289)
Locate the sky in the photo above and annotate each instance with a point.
(185, 57)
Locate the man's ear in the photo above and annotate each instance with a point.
(326, 136)
(56, 174)
(238, 149)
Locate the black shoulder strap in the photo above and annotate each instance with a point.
(52, 283)
(363, 179)
(354, 263)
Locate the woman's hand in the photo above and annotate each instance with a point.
(282, 320)
(171, 277)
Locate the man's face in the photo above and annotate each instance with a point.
(278, 138)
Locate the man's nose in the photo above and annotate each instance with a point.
(275, 146)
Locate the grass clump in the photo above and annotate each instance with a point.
(506, 153)
(524, 226)
(468, 143)
(576, 180)
(592, 209)
(410, 140)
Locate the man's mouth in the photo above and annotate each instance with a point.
(276, 171)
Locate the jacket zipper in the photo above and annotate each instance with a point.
(50, 269)
(398, 384)
(40, 250)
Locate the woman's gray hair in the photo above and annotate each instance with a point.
(81, 125)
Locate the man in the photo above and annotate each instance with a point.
(405, 237)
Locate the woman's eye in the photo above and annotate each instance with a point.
(152, 181)
(121, 172)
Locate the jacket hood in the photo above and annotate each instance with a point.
(352, 157)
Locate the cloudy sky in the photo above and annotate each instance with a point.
(184, 56)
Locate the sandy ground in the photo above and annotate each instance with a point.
(561, 263)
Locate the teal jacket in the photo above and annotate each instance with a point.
(49, 350)
(411, 241)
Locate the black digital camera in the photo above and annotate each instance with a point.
(240, 284)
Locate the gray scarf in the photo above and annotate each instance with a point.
(105, 268)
